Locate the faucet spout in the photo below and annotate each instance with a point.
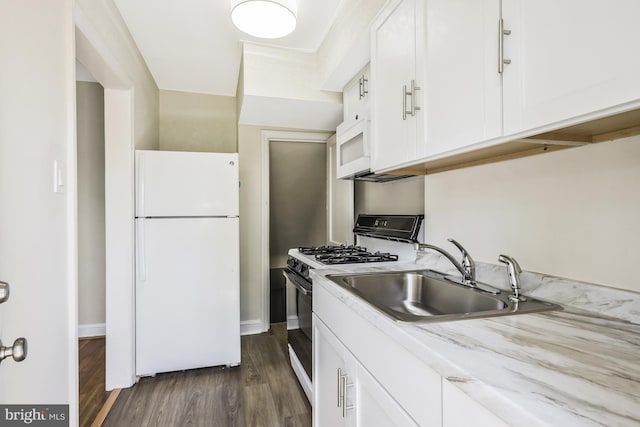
(468, 265)
(467, 268)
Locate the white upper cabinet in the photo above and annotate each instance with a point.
(463, 86)
(569, 59)
(455, 81)
(355, 97)
(396, 36)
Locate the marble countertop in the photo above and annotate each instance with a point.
(576, 367)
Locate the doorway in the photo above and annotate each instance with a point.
(91, 244)
(297, 209)
(267, 137)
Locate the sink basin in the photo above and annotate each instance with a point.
(427, 296)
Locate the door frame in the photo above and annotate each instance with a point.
(94, 54)
(267, 137)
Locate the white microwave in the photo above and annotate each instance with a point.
(353, 147)
(353, 153)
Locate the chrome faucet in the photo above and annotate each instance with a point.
(514, 271)
(467, 268)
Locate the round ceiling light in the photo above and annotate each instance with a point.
(266, 19)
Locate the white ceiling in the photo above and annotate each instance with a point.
(192, 46)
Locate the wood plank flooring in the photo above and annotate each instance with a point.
(262, 391)
(91, 354)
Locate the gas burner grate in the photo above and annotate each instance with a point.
(355, 258)
(332, 250)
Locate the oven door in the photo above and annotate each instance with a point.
(299, 318)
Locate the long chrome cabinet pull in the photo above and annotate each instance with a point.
(363, 90)
(414, 88)
(404, 102)
(412, 94)
(339, 382)
(501, 33)
(345, 407)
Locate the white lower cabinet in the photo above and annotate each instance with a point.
(345, 392)
(363, 377)
(459, 410)
(386, 385)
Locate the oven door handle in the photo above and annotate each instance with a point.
(295, 281)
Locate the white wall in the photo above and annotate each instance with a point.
(249, 148)
(281, 88)
(345, 50)
(107, 22)
(198, 122)
(572, 213)
(251, 232)
(405, 196)
(91, 237)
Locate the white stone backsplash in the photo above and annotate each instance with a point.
(603, 300)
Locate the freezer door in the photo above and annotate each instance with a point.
(182, 184)
(187, 294)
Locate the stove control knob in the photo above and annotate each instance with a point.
(291, 262)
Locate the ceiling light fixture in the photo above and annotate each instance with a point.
(266, 19)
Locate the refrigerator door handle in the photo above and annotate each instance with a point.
(142, 268)
(141, 180)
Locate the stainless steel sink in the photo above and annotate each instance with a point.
(427, 296)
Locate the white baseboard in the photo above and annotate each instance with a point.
(251, 327)
(292, 322)
(92, 330)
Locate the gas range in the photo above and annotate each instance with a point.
(384, 233)
(303, 259)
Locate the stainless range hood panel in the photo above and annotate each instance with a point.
(369, 176)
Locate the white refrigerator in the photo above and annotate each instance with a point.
(187, 261)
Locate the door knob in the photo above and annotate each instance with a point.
(4, 292)
(18, 350)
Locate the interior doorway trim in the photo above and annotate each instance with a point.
(269, 136)
(95, 55)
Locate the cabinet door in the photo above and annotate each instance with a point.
(355, 97)
(459, 410)
(392, 67)
(464, 98)
(339, 202)
(569, 58)
(328, 365)
(373, 406)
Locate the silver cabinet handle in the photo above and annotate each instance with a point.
(414, 88)
(339, 382)
(404, 102)
(18, 351)
(363, 90)
(345, 407)
(4, 292)
(501, 33)
(412, 94)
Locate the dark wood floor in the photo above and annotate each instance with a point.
(92, 394)
(262, 391)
